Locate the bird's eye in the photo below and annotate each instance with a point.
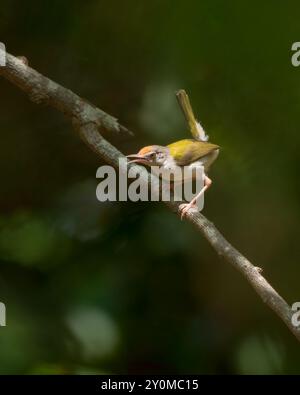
(152, 156)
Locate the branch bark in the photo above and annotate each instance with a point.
(89, 120)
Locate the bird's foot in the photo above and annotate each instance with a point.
(185, 207)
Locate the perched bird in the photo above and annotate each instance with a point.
(188, 152)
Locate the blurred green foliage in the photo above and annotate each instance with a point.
(128, 288)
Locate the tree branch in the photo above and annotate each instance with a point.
(88, 120)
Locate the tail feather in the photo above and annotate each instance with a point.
(195, 127)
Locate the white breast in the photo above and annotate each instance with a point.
(176, 173)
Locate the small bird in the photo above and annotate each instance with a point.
(188, 152)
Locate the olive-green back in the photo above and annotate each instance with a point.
(188, 151)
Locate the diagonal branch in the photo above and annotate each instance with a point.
(88, 120)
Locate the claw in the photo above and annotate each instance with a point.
(185, 208)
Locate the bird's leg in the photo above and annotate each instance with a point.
(185, 207)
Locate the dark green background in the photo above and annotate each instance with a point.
(126, 287)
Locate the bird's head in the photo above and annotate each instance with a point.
(152, 155)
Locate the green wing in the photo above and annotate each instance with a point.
(188, 151)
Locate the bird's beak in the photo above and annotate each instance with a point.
(136, 158)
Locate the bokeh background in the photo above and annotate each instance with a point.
(127, 287)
